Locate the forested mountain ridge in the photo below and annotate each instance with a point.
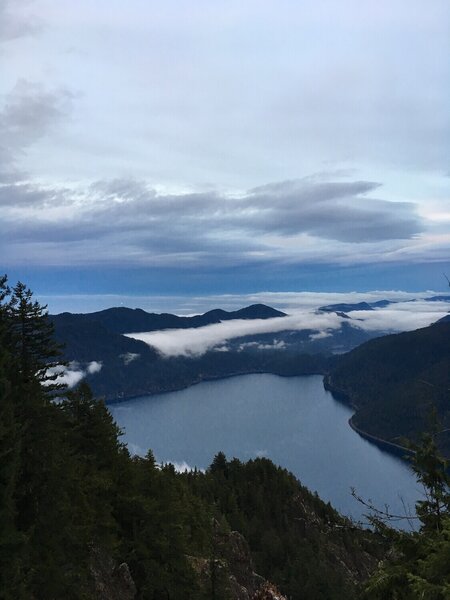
(393, 381)
(131, 367)
(129, 320)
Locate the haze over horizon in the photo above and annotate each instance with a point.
(183, 150)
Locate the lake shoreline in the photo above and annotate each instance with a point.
(389, 447)
(207, 378)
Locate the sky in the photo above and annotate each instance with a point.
(186, 148)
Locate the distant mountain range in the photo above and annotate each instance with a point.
(345, 307)
(438, 299)
(131, 367)
(128, 320)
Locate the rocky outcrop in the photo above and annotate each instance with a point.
(231, 570)
(268, 592)
(109, 580)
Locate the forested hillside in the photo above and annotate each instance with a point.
(394, 381)
(130, 367)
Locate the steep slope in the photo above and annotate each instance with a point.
(87, 340)
(296, 540)
(393, 382)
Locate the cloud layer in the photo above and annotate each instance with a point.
(402, 316)
(72, 374)
(125, 222)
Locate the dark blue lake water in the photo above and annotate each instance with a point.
(293, 421)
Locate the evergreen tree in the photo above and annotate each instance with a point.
(12, 543)
(419, 565)
(99, 461)
(41, 490)
(432, 471)
(31, 340)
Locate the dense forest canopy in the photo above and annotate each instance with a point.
(394, 381)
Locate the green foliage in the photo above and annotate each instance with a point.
(31, 338)
(392, 381)
(12, 542)
(419, 565)
(294, 537)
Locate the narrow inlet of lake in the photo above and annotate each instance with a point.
(293, 421)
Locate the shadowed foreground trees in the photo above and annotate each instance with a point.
(419, 563)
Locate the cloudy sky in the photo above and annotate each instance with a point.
(198, 147)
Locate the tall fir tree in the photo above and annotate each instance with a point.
(12, 541)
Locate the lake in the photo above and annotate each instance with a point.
(293, 421)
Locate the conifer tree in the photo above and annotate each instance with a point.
(432, 471)
(420, 566)
(31, 339)
(11, 541)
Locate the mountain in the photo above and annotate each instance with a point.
(438, 299)
(88, 340)
(334, 341)
(345, 307)
(132, 368)
(393, 381)
(381, 303)
(129, 320)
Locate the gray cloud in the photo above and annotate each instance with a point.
(332, 210)
(29, 113)
(13, 26)
(127, 221)
(20, 195)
